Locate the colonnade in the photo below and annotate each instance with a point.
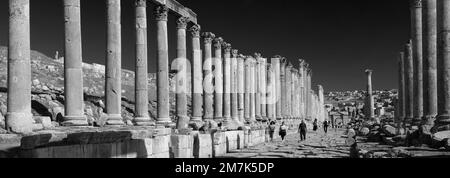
(227, 87)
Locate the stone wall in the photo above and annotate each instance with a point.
(162, 145)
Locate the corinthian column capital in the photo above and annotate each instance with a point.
(235, 53)
(208, 37)
(218, 42)
(161, 13)
(182, 22)
(195, 31)
(416, 3)
(226, 47)
(140, 3)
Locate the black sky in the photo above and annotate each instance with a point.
(338, 38)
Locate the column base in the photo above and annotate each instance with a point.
(183, 122)
(115, 120)
(143, 121)
(428, 120)
(417, 121)
(19, 122)
(166, 122)
(75, 121)
(196, 123)
(442, 123)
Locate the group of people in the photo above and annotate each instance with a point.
(302, 129)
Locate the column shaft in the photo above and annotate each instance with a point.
(409, 85)
(263, 85)
(113, 93)
(253, 82)
(429, 22)
(73, 79)
(416, 11)
(234, 87)
(181, 65)
(278, 86)
(208, 85)
(163, 117)
(369, 97)
(197, 69)
(227, 83)
(258, 93)
(401, 90)
(142, 116)
(19, 118)
(218, 95)
(283, 89)
(241, 88)
(443, 64)
(248, 88)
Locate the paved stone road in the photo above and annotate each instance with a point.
(317, 145)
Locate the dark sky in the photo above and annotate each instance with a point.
(338, 38)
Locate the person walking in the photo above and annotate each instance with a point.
(325, 127)
(283, 131)
(302, 130)
(315, 126)
(272, 130)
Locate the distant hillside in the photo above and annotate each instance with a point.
(48, 88)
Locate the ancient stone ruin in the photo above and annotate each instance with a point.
(229, 106)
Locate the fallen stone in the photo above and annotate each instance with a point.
(129, 123)
(441, 135)
(380, 154)
(3, 131)
(389, 130)
(2, 121)
(447, 144)
(389, 141)
(36, 82)
(399, 138)
(364, 131)
(351, 133)
(45, 121)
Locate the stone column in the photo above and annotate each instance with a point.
(163, 117)
(283, 89)
(416, 11)
(218, 95)
(443, 118)
(302, 88)
(253, 82)
(113, 83)
(208, 96)
(227, 84)
(401, 90)
(321, 103)
(248, 87)
(142, 117)
(263, 87)
(234, 87)
(257, 90)
(181, 76)
(429, 27)
(241, 87)
(73, 78)
(19, 118)
(271, 93)
(309, 96)
(289, 91)
(369, 96)
(409, 87)
(294, 87)
(297, 95)
(197, 76)
(277, 70)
